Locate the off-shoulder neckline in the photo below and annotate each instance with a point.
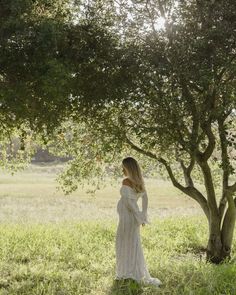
(128, 186)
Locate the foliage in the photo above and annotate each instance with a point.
(133, 87)
(45, 57)
(32, 38)
(96, 156)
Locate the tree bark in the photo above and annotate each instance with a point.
(228, 226)
(220, 240)
(214, 246)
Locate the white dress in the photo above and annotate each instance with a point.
(130, 261)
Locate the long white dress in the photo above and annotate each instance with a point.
(130, 261)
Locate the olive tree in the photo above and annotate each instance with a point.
(173, 101)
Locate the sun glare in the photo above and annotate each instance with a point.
(160, 23)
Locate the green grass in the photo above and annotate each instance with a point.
(79, 258)
(64, 245)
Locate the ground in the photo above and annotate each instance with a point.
(31, 196)
(64, 245)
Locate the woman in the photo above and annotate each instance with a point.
(130, 261)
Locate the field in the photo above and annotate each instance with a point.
(61, 245)
(31, 196)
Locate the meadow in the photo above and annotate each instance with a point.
(64, 245)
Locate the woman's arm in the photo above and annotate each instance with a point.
(145, 206)
(133, 207)
(131, 202)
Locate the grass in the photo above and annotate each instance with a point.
(31, 196)
(51, 244)
(79, 258)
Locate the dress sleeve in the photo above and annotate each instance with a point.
(145, 207)
(131, 200)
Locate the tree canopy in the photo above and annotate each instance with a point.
(109, 80)
(47, 68)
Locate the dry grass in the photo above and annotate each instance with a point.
(32, 196)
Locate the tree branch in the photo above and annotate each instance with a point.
(138, 149)
(189, 190)
(192, 107)
(211, 197)
(222, 72)
(161, 8)
(225, 166)
(232, 187)
(151, 17)
(211, 143)
(187, 172)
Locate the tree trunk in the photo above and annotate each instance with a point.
(221, 227)
(214, 246)
(220, 239)
(227, 231)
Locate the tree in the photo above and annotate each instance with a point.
(176, 102)
(44, 58)
(32, 37)
(123, 83)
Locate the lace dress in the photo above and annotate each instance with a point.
(130, 261)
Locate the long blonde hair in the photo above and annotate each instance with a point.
(134, 173)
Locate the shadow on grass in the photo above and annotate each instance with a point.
(126, 287)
